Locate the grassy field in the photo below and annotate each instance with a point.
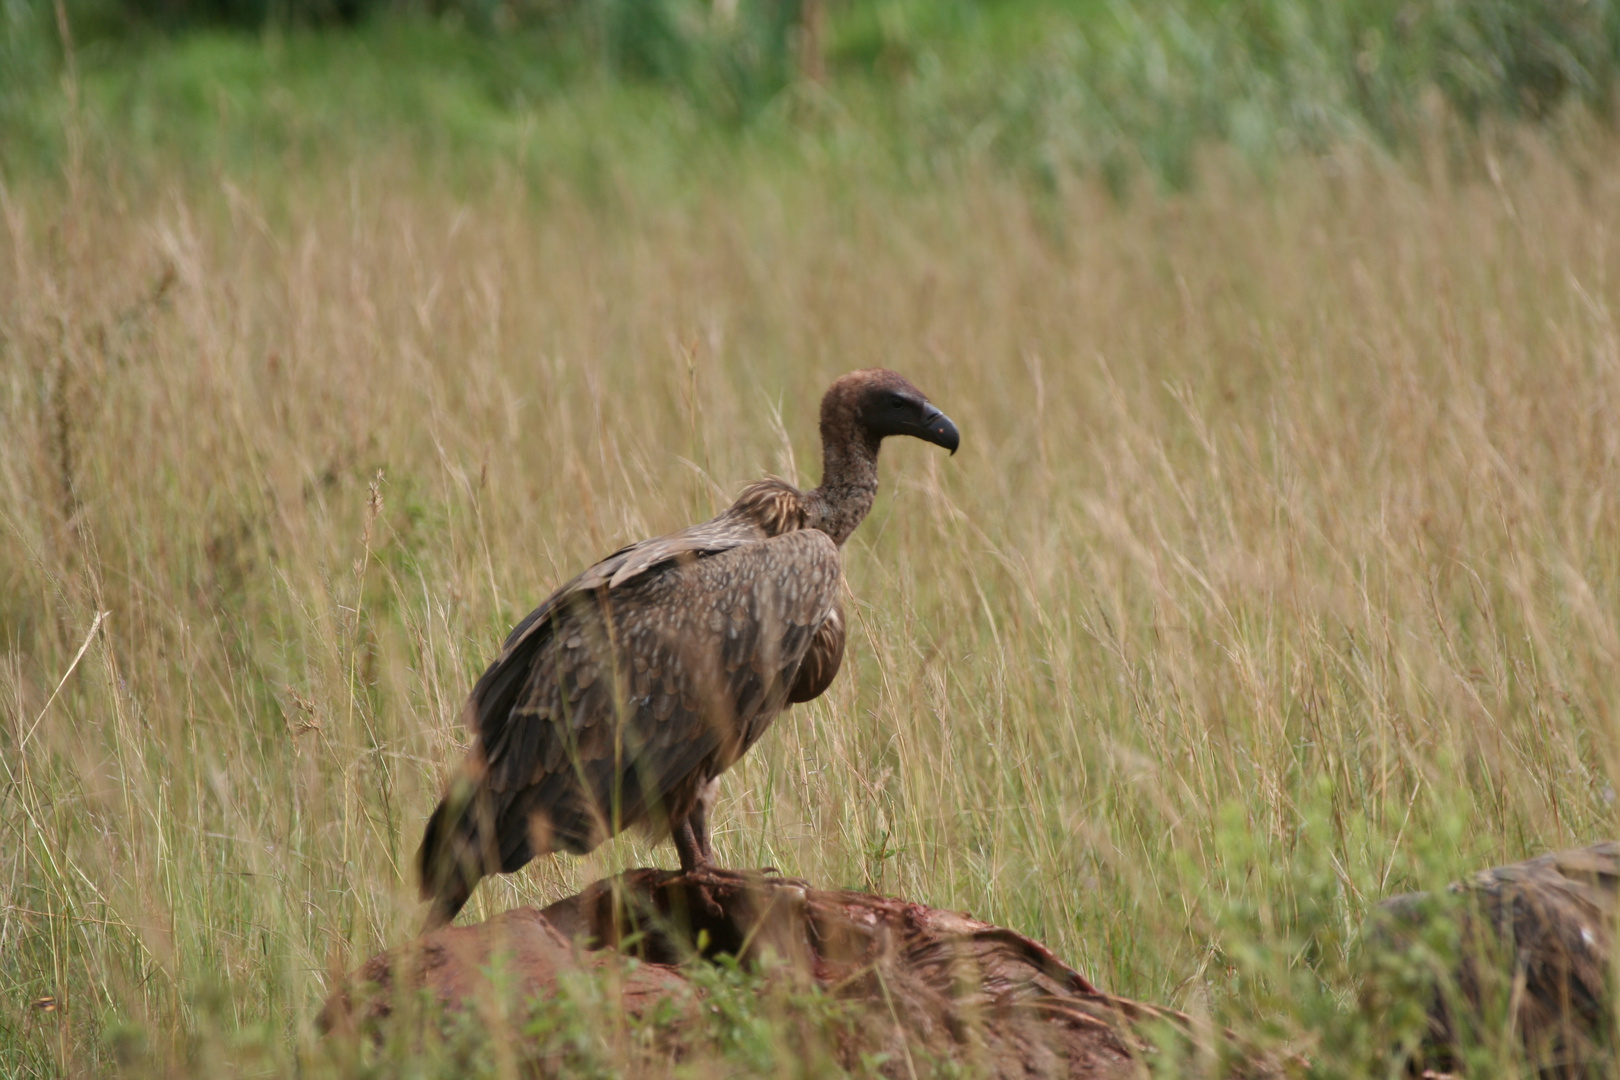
(1279, 571)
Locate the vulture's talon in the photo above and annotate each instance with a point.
(711, 906)
(698, 883)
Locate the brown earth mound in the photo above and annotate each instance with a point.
(1520, 953)
(927, 981)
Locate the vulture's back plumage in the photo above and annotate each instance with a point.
(619, 699)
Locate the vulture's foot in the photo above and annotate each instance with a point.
(707, 880)
(698, 867)
(717, 888)
(715, 891)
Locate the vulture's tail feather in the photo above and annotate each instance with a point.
(475, 832)
(451, 859)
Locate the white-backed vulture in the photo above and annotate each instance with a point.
(622, 698)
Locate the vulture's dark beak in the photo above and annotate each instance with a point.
(938, 429)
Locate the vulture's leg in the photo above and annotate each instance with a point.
(697, 863)
(686, 845)
(692, 835)
(707, 796)
(699, 818)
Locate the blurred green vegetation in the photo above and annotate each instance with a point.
(1045, 87)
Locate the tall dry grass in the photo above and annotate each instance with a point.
(1279, 569)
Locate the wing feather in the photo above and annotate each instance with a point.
(611, 698)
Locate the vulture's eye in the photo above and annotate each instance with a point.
(896, 401)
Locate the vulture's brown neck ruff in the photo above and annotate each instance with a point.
(849, 484)
(857, 412)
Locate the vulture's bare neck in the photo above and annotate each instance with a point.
(849, 482)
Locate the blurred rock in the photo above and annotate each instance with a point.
(1518, 952)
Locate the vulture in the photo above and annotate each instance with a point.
(621, 699)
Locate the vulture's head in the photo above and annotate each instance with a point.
(876, 403)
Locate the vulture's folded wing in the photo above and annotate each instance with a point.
(717, 534)
(604, 708)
